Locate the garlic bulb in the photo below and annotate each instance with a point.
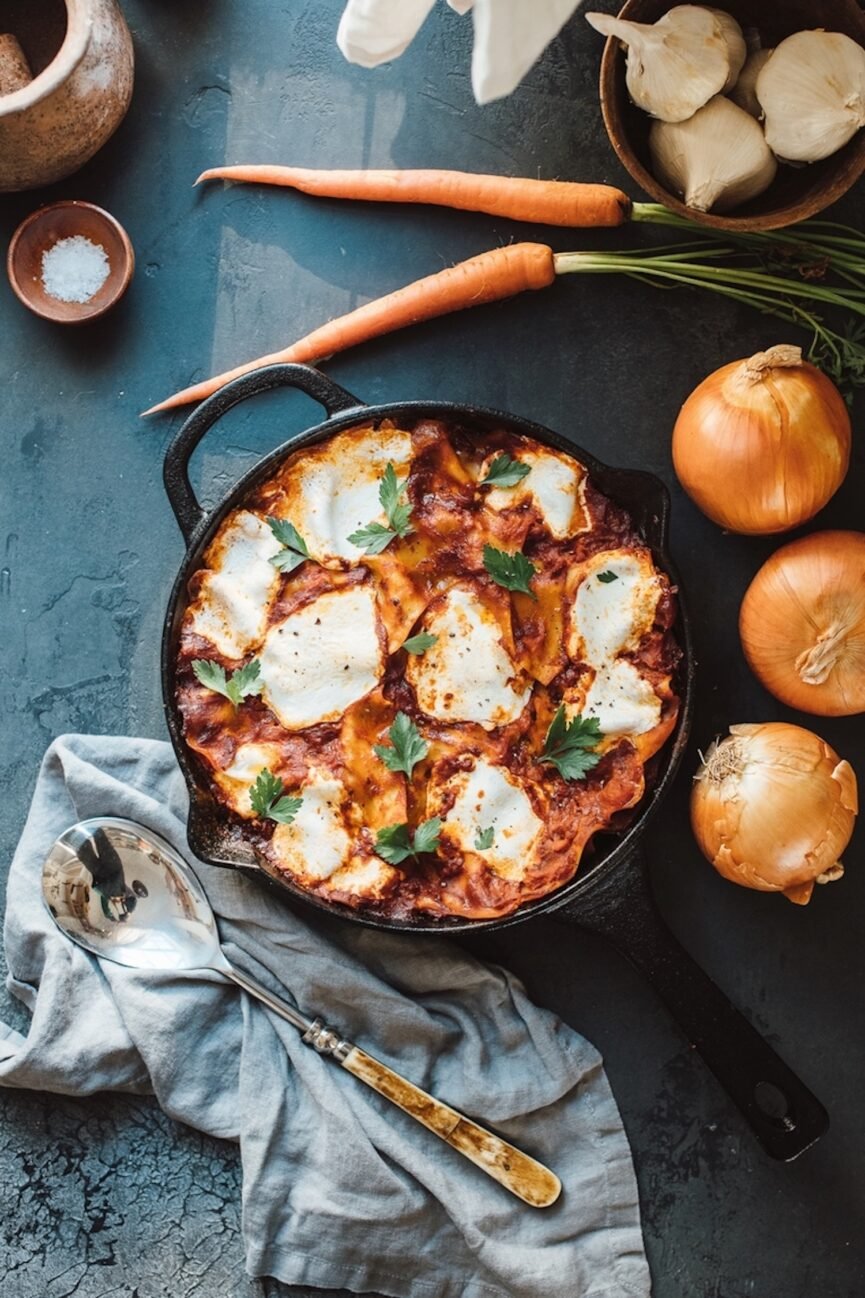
(812, 92)
(744, 92)
(737, 46)
(677, 64)
(717, 159)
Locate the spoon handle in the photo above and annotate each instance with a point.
(260, 992)
(522, 1175)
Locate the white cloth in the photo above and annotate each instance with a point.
(509, 35)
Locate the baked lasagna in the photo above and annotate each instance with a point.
(422, 667)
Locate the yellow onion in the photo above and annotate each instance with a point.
(762, 444)
(773, 808)
(802, 624)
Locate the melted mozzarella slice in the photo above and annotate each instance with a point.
(623, 701)
(231, 607)
(556, 486)
(321, 846)
(333, 490)
(487, 797)
(365, 876)
(316, 843)
(467, 675)
(246, 766)
(322, 658)
(611, 616)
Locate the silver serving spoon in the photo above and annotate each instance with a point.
(122, 892)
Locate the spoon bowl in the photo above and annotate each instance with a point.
(123, 893)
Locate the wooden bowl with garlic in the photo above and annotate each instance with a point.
(743, 117)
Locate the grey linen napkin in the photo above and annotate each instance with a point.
(340, 1189)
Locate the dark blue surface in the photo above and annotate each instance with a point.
(107, 1196)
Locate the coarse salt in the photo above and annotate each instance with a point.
(74, 269)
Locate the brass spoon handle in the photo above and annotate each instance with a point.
(528, 1179)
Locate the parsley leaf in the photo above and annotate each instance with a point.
(408, 746)
(569, 745)
(484, 838)
(396, 844)
(391, 493)
(244, 681)
(211, 675)
(375, 537)
(608, 576)
(235, 687)
(513, 571)
(285, 810)
(293, 550)
(505, 472)
(268, 802)
(416, 644)
(426, 836)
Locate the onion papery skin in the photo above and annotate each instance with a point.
(802, 624)
(773, 808)
(761, 447)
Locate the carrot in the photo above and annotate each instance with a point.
(548, 202)
(493, 275)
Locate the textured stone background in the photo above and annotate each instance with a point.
(107, 1198)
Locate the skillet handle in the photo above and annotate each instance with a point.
(175, 473)
(783, 1114)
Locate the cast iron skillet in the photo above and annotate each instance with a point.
(610, 893)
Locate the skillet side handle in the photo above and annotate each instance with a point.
(175, 473)
(784, 1115)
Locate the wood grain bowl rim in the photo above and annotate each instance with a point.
(120, 273)
(613, 97)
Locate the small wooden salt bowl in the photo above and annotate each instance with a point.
(40, 231)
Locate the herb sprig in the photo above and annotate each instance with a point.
(294, 550)
(268, 802)
(418, 644)
(505, 472)
(236, 687)
(375, 537)
(570, 745)
(795, 275)
(396, 843)
(409, 746)
(484, 838)
(513, 571)
(608, 576)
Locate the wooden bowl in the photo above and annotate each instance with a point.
(40, 231)
(796, 192)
